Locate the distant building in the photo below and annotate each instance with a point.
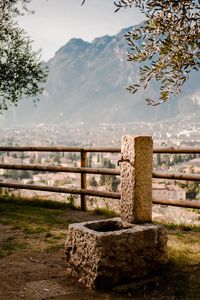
(172, 192)
(191, 166)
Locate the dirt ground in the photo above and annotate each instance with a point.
(32, 262)
(36, 273)
(39, 273)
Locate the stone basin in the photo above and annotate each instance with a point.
(102, 254)
(108, 225)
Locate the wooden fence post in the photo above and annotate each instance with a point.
(83, 179)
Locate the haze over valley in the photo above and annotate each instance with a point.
(87, 84)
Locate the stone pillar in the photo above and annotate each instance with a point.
(136, 179)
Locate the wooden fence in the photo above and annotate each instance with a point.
(83, 170)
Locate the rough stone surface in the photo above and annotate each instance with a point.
(101, 254)
(136, 179)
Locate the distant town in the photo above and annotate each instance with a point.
(167, 133)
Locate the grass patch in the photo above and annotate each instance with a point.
(21, 215)
(52, 238)
(179, 254)
(34, 230)
(35, 202)
(182, 227)
(181, 277)
(183, 243)
(9, 246)
(54, 248)
(184, 261)
(40, 224)
(105, 212)
(48, 235)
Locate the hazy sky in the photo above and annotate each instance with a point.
(57, 21)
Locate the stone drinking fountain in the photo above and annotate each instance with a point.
(102, 254)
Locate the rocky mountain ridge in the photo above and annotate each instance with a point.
(87, 83)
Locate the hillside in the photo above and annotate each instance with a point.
(86, 83)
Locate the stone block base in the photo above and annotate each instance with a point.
(101, 254)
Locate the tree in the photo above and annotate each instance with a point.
(21, 72)
(24, 174)
(166, 44)
(192, 189)
(57, 158)
(93, 182)
(89, 160)
(111, 181)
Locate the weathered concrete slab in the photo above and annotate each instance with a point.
(45, 289)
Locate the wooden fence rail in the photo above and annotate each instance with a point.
(84, 170)
(87, 192)
(97, 171)
(176, 176)
(178, 150)
(60, 149)
(170, 150)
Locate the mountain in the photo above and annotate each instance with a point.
(86, 83)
